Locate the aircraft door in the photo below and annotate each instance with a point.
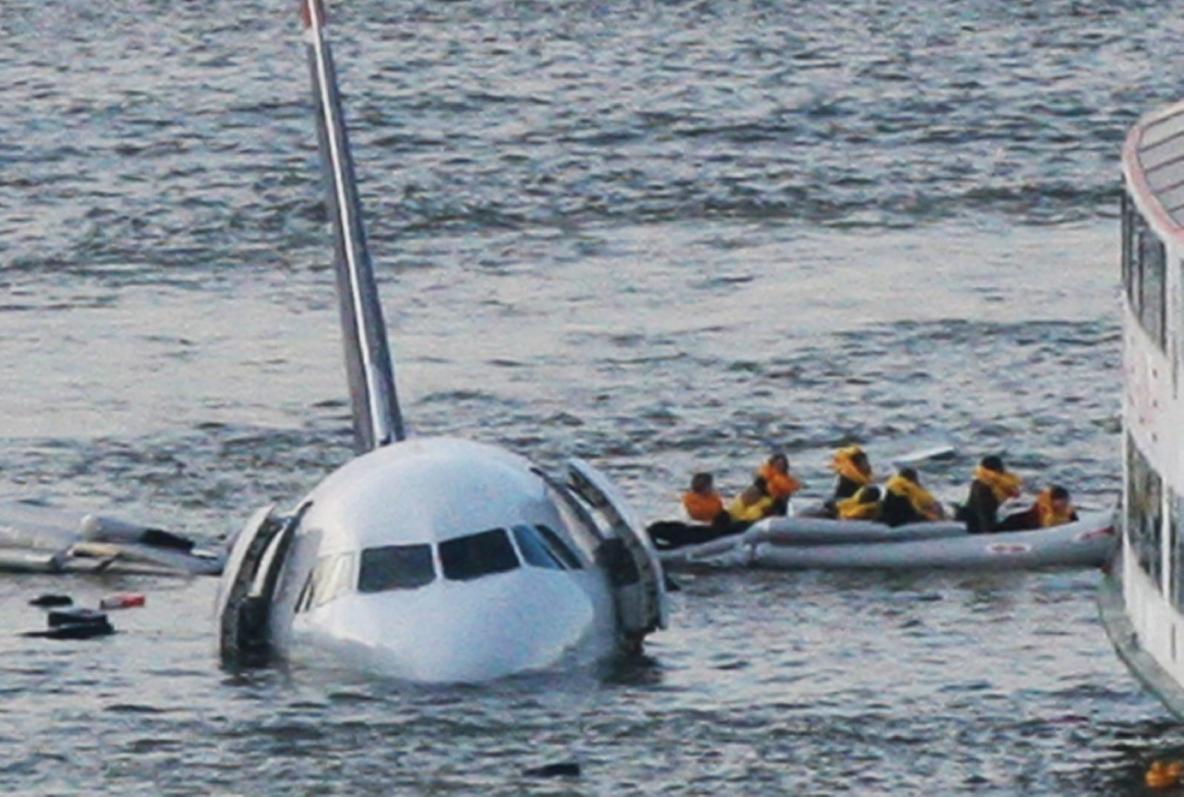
(639, 585)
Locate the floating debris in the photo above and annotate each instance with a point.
(124, 600)
(75, 623)
(562, 769)
(49, 599)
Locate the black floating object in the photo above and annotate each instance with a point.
(159, 538)
(75, 631)
(562, 769)
(50, 599)
(75, 623)
(77, 616)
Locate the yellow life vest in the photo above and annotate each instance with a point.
(922, 501)
(844, 465)
(1048, 514)
(855, 508)
(753, 512)
(1003, 485)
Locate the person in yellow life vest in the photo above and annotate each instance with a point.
(906, 501)
(993, 484)
(781, 484)
(853, 469)
(702, 503)
(864, 505)
(1051, 508)
(1054, 507)
(753, 504)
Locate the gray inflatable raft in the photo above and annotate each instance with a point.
(811, 543)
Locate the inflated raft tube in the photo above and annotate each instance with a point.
(1088, 542)
(822, 531)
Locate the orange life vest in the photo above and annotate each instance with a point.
(780, 485)
(703, 508)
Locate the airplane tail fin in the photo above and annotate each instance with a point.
(377, 419)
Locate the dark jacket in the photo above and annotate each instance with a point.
(845, 488)
(981, 511)
(897, 510)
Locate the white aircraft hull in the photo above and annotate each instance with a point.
(451, 633)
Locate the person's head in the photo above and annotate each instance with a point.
(910, 474)
(760, 485)
(1060, 497)
(780, 462)
(992, 463)
(860, 460)
(869, 494)
(702, 483)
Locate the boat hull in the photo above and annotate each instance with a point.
(1088, 542)
(1124, 637)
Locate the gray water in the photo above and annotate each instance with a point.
(660, 235)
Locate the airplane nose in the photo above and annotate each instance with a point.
(456, 632)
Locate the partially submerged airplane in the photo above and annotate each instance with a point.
(433, 559)
(429, 559)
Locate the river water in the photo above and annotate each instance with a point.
(660, 235)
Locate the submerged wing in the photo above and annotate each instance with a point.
(39, 538)
(377, 420)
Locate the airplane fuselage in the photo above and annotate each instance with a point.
(442, 560)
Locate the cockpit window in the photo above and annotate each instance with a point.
(396, 567)
(560, 548)
(476, 555)
(534, 550)
(331, 577)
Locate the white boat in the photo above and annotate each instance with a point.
(1142, 599)
(798, 543)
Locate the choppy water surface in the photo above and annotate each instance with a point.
(663, 236)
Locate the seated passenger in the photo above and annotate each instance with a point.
(906, 501)
(1055, 508)
(702, 503)
(864, 505)
(854, 471)
(992, 485)
(1051, 508)
(753, 504)
(781, 483)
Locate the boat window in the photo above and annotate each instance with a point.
(1153, 263)
(534, 550)
(561, 548)
(1128, 220)
(1175, 549)
(391, 567)
(1144, 513)
(477, 555)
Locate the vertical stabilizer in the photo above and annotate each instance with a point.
(377, 420)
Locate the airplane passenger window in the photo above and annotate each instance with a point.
(534, 551)
(560, 548)
(476, 555)
(396, 567)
